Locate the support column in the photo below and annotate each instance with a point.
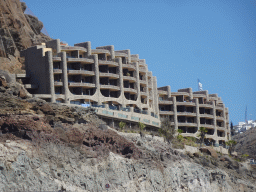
(138, 81)
(214, 120)
(225, 126)
(65, 76)
(51, 76)
(155, 96)
(197, 114)
(97, 76)
(121, 80)
(175, 113)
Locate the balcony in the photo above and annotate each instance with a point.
(206, 115)
(82, 60)
(219, 108)
(185, 103)
(100, 51)
(111, 75)
(64, 48)
(131, 90)
(166, 112)
(186, 114)
(187, 124)
(110, 63)
(111, 87)
(221, 128)
(162, 92)
(144, 82)
(220, 118)
(142, 69)
(80, 72)
(206, 105)
(120, 54)
(81, 84)
(165, 102)
(57, 71)
(129, 78)
(143, 93)
(129, 66)
(57, 83)
(207, 125)
(56, 58)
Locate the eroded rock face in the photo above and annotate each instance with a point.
(246, 143)
(17, 30)
(51, 147)
(60, 167)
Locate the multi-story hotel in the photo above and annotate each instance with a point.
(116, 82)
(189, 110)
(121, 88)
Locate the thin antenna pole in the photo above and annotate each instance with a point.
(246, 114)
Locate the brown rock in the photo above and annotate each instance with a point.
(22, 94)
(209, 151)
(3, 82)
(46, 108)
(18, 32)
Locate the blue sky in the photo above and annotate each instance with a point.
(181, 40)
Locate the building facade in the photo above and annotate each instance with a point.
(189, 110)
(121, 88)
(117, 83)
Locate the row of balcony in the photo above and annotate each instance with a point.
(131, 66)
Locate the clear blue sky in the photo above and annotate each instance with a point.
(181, 40)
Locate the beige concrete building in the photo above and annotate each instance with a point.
(120, 88)
(116, 83)
(189, 110)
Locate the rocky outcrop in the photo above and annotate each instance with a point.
(17, 30)
(35, 24)
(246, 143)
(52, 147)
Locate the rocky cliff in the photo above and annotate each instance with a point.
(18, 31)
(52, 147)
(246, 143)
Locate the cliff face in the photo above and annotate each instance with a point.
(18, 31)
(246, 143)
(51, 147)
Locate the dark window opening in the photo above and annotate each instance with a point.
(104, 81)
(112, 70)
(180, 108)
(102, 56)
(56, 65)
(103, 68)
(86, 67)
(105, 93)
(181, 119)
(87, 79)
(76, 90)
(179, 98)
(58, 90)
(114, 94)
(88, 91)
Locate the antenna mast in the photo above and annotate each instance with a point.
(246, 114)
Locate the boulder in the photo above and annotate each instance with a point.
(209, 151)
(3, 82)
(229, 162)
(46, 108)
